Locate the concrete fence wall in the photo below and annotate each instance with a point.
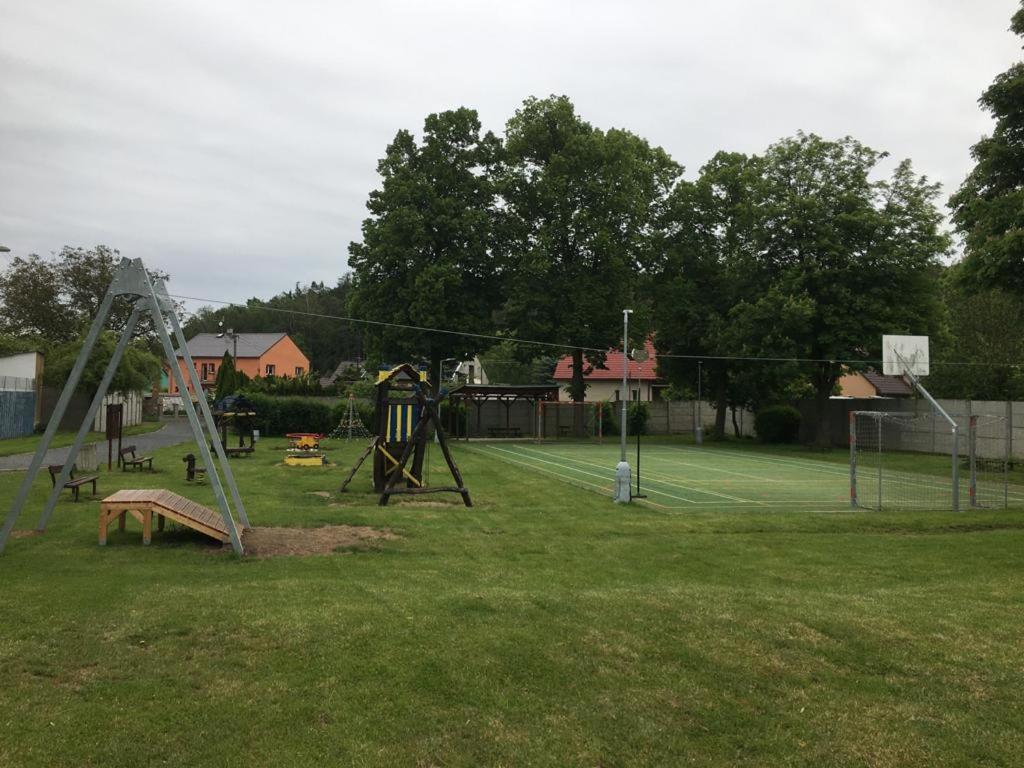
(1000, 424)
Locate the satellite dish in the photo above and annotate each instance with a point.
(639, 355)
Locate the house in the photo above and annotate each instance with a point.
(605, 384)
(872, 384)
(346, 370)
(258, 354)
(470, 372)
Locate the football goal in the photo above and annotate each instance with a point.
(570, 421)
(920, 461)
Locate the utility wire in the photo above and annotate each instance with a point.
(553, 345)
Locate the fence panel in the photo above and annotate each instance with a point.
(17, 413)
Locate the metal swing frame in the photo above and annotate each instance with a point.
(132, 280)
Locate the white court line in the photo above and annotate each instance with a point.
(671, 483)
(590, 474)
(810, 464)
(565, 478)
(678, 463)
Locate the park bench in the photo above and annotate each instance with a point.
(240, 451)
(504, 431)
(74, 483)
(133, 461)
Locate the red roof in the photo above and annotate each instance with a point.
(645, 371)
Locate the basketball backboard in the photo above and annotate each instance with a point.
(905, 354)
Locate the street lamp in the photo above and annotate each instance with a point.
(623, 478)
(4, 249)
(230, 333)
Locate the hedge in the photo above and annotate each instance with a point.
(778, 424)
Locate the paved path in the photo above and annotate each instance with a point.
(174, 432)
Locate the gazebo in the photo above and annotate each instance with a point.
(506, 394)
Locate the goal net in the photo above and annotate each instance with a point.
(570, 421)
(918, 461)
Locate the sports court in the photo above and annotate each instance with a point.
(682, 477)
(691, 478)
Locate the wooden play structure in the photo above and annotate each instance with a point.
(235, 411)
(404, 415)
(143, 505)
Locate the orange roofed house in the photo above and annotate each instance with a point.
(605, 384)
(259, 354)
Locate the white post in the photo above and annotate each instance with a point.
(623, 478)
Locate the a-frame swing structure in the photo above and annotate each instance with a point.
(132, 280)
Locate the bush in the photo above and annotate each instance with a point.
(280, 415)
(778, 424)
(638, 415)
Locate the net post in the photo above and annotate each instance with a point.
(956, 467)
(878, 428)
(972, 454)
(1007, 453)
(853, 459)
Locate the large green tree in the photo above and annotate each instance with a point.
(426, 256)
(56, 298)
(706, 264)
(988, 209)
(578, 226)
(861, 253)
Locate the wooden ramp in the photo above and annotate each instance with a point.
(142, 505)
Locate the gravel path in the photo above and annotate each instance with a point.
(174, 432)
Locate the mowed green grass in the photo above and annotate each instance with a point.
(545, 626)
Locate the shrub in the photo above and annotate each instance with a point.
(280, 415)
(778, 424)
(638, 415)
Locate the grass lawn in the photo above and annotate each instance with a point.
(15, 445)
(545, 626)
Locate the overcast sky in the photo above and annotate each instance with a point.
(233, 143)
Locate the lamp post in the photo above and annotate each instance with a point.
(623, 480)
(4, 249)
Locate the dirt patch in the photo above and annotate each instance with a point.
(25, 534)
(271, 542)
(321, 494)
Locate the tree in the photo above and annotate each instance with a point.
(226, 382)
(988, 209)
(57, 298)
(864, 254)
(139, 368)
(307, 313)
(978, 356)
(578, 227)
(707, 265)
(426, 256)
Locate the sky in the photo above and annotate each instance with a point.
(233, 144)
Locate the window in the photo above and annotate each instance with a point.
(299, 370)
(636, 395)
(271, 369)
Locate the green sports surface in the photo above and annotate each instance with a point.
(683, 477)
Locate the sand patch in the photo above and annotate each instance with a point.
(321, 494)
(25, 534)
(271, 542)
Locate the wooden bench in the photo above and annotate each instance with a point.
(241, 451)
(504, 431)
(134, 461)
(74, 483)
